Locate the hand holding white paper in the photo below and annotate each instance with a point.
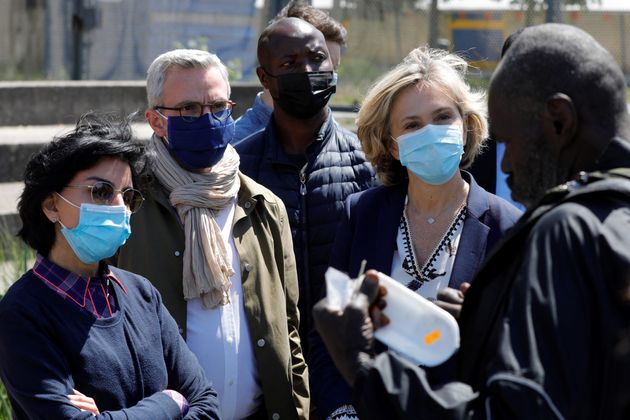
(418, 330)
(339, 289)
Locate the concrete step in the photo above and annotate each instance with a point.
(62, 102)
(18, 143)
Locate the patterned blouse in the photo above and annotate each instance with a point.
(427, 277)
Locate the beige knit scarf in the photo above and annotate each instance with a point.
(197, 197)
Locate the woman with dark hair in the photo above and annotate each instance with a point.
(78, 337)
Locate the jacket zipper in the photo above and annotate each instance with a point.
(306, 281)
(302, 182)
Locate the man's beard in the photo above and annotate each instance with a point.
(540, 172)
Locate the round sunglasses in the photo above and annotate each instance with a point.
(103, 192)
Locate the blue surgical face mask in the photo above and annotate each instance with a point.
(199, 144)
(100, 232)
(433, 153)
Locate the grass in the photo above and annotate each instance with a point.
(15, 258)
(5, 406)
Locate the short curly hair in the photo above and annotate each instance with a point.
(49, 170)
(422, 67)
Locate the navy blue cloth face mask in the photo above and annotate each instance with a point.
(201, 143)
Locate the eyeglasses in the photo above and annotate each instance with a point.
(190, 112)
(104, 192)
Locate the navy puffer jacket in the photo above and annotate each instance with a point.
(313, 194)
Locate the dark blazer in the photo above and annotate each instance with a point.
(368, 231)
(484, 168)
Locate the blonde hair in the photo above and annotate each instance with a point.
(424, 67)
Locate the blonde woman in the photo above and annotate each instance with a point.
(429, 225)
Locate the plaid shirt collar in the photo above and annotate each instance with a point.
(70, 285)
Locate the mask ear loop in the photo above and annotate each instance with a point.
(268, 74)
(69, 202)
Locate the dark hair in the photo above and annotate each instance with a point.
(49, 170)
(333, 31)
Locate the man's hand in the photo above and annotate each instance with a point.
(349, 335)
(451, 300)
(83, 402)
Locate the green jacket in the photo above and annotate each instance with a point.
(270, 289)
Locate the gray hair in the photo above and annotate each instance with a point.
(181, 58)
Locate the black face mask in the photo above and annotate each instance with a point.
(302, 95)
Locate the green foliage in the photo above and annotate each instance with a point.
(199, 43)
(14, 75)
(5, 409)
(235, 69)
(5, 406)
(355, 77)
(478, 82)
(235, 66)
(15, 258)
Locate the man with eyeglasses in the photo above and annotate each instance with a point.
(217, 245)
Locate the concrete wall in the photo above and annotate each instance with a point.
(47, 103)
(22, 39)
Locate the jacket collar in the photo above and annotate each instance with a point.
(249, 195)
(159, 194)
(261, 109)
(473, 242)
(388, 219)
(615, 155)
(274, 152)
(251, 192)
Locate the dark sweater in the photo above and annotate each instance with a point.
(48, 347)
